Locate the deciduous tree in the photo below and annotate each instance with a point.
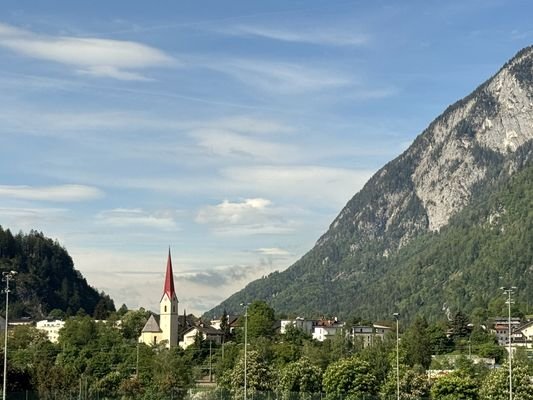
(349, 379)
(300, 376)
(453, 387)
(496, 384)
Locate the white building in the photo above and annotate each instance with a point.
(501, 329)
(232, 321)
(51, 328)
(208, 333)
(327, 329)
(368, 334)
(523, 335)
(305, 325)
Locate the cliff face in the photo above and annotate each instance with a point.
(477, 142)
(472, 141)
(497, 117)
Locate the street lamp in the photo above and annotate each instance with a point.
(7, 276)
(509, 291)
(397, 317)
(245, 305)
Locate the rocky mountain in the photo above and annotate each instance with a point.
(46, 279)
(474, 147)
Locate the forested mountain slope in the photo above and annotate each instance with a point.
(46, 278)
(473, 148)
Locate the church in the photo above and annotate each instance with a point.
(164, 328)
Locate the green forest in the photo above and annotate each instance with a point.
(46, 282)
(104, 360)
(461, 267)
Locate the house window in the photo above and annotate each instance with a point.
(165, 308)
(173, 309)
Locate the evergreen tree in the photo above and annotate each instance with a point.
(415, 345)
(224, 326)
(260, 320)
(459, 326)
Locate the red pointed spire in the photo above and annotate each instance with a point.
(169, 279)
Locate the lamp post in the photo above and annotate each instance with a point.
(397, 317)
(509, 291)
(245, 305)
(7, 276)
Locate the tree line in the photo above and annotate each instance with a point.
(46, 281)
(104, 360)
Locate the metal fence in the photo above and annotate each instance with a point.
(199, 394)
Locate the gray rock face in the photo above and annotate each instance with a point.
(447, 170)
(436, 176)
(477, 142)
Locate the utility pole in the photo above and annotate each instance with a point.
(7, 276)
(210, 364)
(509, 291)
(397, 317)
(245, 305)
(137, 363)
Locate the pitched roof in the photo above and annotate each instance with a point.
(169, 279)
(208, 330)
(152, 325)
(524, 326)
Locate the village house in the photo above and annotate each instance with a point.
(305, 325)
(51, 328)
(368, 334)
(232, 321)
(522, 336)
(501, 329)
(208, 334)
(327, 329)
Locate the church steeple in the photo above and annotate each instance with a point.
(168, 308)
(165, 330)
(169, 279)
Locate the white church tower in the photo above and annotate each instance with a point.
(168, 308)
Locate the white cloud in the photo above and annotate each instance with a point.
(250, 216)
(29, 120)
(121, 217)
(233, 213)
(219, 276)
(30, 213)
(316, 35)
(273, 252)
(62, 193)
(97, 57)
(28, 218)
(113, 72)
(226, 143)
(320, 185)
(247, 124)
(281, 77)
(306, 185)
(136, 278)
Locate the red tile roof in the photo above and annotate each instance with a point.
(169, 279)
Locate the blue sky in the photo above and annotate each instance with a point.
(233, 132)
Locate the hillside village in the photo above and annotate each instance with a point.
(208, 354)
(347, 187)
(171, 329)
(320, 330)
